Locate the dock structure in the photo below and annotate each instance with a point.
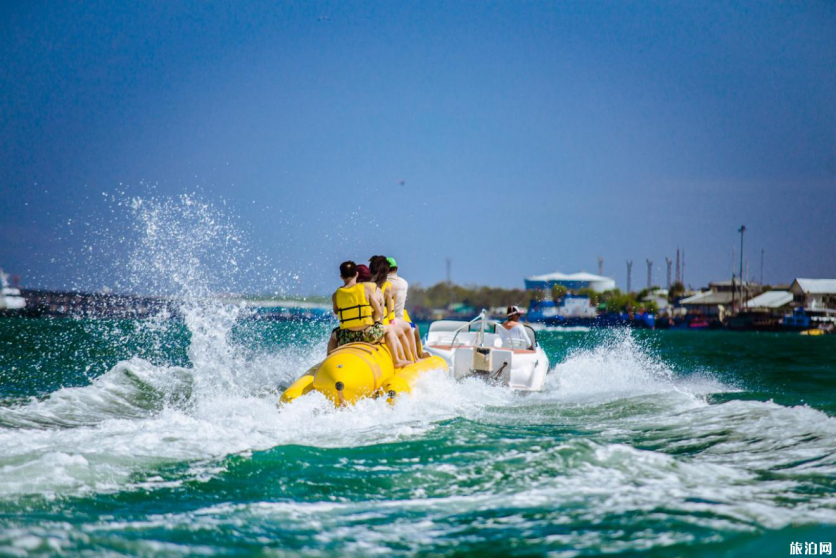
(95, 305)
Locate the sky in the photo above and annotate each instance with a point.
(515, 138)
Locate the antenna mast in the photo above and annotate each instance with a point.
(678, 267)
(741, 230)
(761, 267)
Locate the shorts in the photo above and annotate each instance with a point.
(372, 334)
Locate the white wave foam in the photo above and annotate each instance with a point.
(589, 485)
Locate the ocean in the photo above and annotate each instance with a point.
(164, 438)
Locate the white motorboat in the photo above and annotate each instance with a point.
(482, 348)
(10, 297)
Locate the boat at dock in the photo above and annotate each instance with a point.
(10, 297)
(805, 319)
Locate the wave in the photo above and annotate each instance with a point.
(133, 389)
(115, 433)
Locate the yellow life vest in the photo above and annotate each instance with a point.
(374, 287)
(353, 308)
(389, 316)
(406, 317)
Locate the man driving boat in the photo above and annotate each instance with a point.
(512, 331)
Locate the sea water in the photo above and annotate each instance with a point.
(163, 437)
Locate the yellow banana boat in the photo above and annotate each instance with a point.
(357, 370)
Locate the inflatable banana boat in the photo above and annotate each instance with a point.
(357, 370)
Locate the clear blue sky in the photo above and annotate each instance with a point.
(530, 136)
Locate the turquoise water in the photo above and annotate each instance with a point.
(163, 438)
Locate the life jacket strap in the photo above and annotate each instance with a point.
(359, 316)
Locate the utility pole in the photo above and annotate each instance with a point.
(449, 262)
(741, 230)
(600, 266)
(678, 268)
(629, 276)
(733, 259)
(761, 267)
(649, 273)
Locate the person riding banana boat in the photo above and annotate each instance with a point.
(390, 292)
(400, 288)
(381, 269)
(361, 311)
(372, 352)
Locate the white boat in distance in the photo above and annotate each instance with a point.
(479, 348)
(10, 297)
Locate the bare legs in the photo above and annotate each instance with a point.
(419, 347)
(394, 345)
(403, 353)
(408, 340)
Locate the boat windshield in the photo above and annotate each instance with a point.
(484, 332)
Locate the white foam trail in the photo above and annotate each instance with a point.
(103, 456)
(567, 329)
(580, 482)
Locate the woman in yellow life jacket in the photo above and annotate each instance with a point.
(360, 314)
(364, 275)
(379, 266)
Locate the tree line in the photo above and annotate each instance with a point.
(442, 295)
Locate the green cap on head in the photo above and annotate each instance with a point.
(392, 262)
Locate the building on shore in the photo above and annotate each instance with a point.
(764, 312)
(770, 301)
(721, 299)
(659, 297)
(814, 294)
(711, 304)
(570, 281)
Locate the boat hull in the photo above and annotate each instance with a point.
(526, 369)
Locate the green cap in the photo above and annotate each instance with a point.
(392, 262)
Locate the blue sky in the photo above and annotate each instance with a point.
(514, 137)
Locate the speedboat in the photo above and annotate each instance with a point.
(479, 348)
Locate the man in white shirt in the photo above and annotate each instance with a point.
(400, 287)
(512, 332)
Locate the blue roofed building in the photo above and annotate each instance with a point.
(571, 281)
